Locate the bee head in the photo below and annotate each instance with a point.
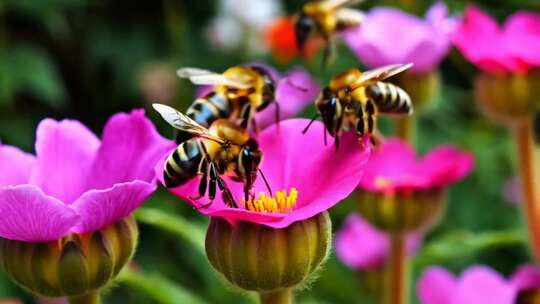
(251, 155)
(329, 107)
(303, 28)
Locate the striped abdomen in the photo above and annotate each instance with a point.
(205, 111)
(183, 163)
(389, 98)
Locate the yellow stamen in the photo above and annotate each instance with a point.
(382, 182)
(280, 203)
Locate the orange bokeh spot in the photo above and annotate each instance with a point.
(279, 37)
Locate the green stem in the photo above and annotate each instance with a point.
(530, 182)
(396, 271)
(89, 298)
(405, 128)
(282, 296)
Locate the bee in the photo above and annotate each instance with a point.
(222, 149)
(325, 19)
(238, 93)
(354, 99)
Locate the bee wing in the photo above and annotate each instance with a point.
(182, 122)
(205, 77)
(350, 16)
(335, 4)
(382, 73)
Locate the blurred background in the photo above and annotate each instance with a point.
(87, 59)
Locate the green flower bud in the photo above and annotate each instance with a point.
(421, 87)
(508, 98)
(75, 265)
(259, 258)
(402, 212)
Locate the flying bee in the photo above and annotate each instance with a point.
(222, 149)
(238, 93)
(325, 19)
(354, 99)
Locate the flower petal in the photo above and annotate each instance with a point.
(65, 150)
(480, 40)
(522, 28)
(480, 284)
(359, 245)
(436, 286)
(292, 161)
(526, 277)
(15, 165)
(101, 208)
(131, 147)
(295, 91)
(445, 165)
(30, 215)
(394, 164)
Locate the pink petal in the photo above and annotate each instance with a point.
(526, 277)
(480, 284)
(101, 208)
(445, 165)
(65, 150)
(394, 162)
(131, 148)
(425, 43)
(480, 40)
(30, 215)
(359, 245)
(436, 286)
(294, 92)
(523, 29)
(342, 171)
(15, 165)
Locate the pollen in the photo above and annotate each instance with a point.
(280, 203)
(382, 182)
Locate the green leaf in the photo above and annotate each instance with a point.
(158, 288)
(460, 244)
(190, 232)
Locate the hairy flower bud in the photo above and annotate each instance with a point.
(402, 212)
(74, 265)
(260, 258)
(508, 98)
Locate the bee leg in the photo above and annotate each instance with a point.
(202, 187)
(277, 114)
(329, 53)
(336, 142)
(245, 114)
(226, 194)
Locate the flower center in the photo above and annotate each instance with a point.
(381, 182)
(280, 203)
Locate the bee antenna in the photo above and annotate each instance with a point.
(309, 124)
(266, 182)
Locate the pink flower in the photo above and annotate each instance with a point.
(477, 284)
(295, 90)
(321, 176)
(514, 47)
(394, 166)
(389, 36)
(361, 246)
(77, 183)
(526, 278)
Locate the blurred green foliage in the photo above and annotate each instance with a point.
(87, 59)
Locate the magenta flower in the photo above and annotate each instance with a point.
(477, 284)
(526, 278)
(293, 164)
(294, 91)
(361, 246)
(514, 47)
(395, 167)
(77, 183)
(389, 36)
